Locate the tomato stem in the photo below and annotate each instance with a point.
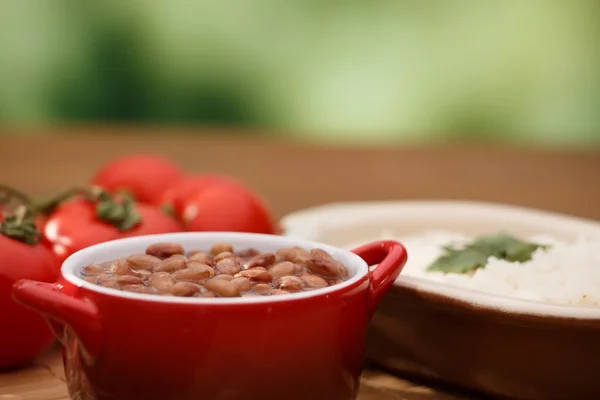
(117, 210)
(18, 222)
(48, 205)
(20, 226)
(121, 214)
(9, 195)
(168, 209)
(20, 214)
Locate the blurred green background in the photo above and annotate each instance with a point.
(522, 72)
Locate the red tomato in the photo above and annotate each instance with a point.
(154, 220)
(178, 193)
(227, 206)
(144, 176)
(40, 221)
(74, 226)
(23, 332)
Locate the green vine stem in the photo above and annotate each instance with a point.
(117, 210)
(20, 226)
(49, 204)
(121, 214)
(10, 196)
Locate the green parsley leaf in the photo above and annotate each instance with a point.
(474, 255)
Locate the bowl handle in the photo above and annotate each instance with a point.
(49, 299)
(390, 257)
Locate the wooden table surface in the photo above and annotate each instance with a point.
(292, 176)
(45, 380)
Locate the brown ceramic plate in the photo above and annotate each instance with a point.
(494, 344)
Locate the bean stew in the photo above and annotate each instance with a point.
(166, 269)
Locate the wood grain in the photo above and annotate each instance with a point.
(292, 176)
(45, 380)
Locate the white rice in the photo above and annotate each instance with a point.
(567, 273)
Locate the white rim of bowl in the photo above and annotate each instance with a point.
(306, 223)
(82, 258)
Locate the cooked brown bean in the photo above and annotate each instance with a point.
(163, 250)
(289, 283)
(228, 266)
(109, 283)
(248, 253)
(313, 280)
(261, 288)
(105, 277)
(200, 256)
(319, 254)
(143, 261)
(162, 282)
(196, 264)
(185, 289)
(208, 293)
(138, 289)
(90, 270)
(282, 269)
(299, 268)
(222, 287)
(240, 261)
(218, 248)
(276, 292)
(177, 259)
(322, 267)
(261, 260)
(221, 271)
(119, 267)
(195, 273)
(141, 273)
(243, 284)
(341, 270)
(128, 280)
(287, 254)
(302, 255)
(171, 264)
(222, 256)
(225, 277)
(259, 274)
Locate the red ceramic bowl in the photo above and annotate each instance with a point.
(121, 345)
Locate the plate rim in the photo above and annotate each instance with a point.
(305, 222)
